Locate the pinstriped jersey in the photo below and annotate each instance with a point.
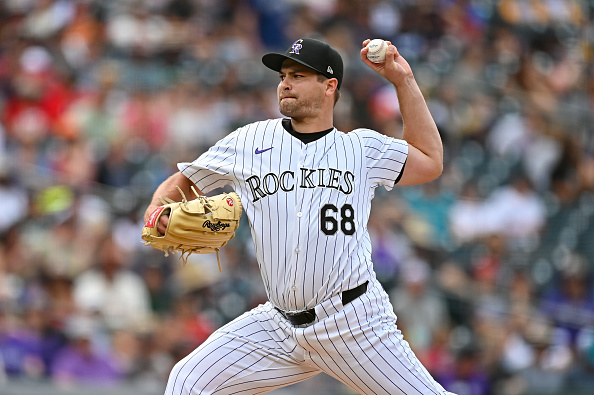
(307, 204)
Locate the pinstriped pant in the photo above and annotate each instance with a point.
(358, 344)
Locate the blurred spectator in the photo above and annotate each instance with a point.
(580, 378)
(126, 352)
(431, 204)
(488, 260)
(160, 291)
(20, 348)
(514, 210)
(456, 287)
(80, 363)
(565, 180)
(511, 134)
(544, 373)
(390, 245)
(25, 117)
(420, 309)
(464, 223)
(438, 357)
(188, 325)
(112, 290)
(15, 201)
(467, 375)
(489, 304)
(46, 19)
(154, 360)
(570, 302)
(81, 40)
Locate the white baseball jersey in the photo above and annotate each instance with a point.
(307, 204)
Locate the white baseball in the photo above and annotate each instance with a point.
(377, 50)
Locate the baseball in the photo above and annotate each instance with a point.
(377, 50)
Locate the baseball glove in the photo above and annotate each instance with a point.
(200, 226)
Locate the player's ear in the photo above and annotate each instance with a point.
(331, 86)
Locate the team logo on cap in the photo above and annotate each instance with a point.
(329, 70)
(296, 47)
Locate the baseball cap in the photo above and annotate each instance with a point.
(312, 53)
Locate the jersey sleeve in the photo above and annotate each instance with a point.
(212, 169)
(385, 157)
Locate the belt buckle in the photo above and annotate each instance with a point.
(300, 319)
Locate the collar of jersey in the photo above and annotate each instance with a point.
(304, 137)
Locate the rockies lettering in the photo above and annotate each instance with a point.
(271, 183)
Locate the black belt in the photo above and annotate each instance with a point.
(306, 317)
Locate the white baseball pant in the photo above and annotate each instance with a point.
(358, 344)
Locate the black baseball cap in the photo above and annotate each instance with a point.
(312, 53)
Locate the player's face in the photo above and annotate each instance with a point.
(300, 92)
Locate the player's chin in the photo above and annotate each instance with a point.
(287, 107)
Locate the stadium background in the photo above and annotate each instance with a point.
(490, 268)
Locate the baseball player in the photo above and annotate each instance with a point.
(306, 189)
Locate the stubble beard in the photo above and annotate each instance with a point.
(299, 108)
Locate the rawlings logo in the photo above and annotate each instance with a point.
(215, 227)
(296, 47)
(230, 202)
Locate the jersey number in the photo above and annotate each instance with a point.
(329, 224)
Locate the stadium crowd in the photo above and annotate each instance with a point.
(490, 268)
